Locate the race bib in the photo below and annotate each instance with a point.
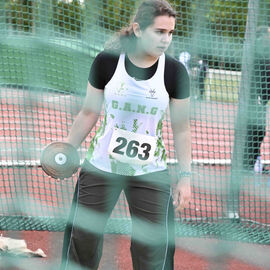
(132, 148)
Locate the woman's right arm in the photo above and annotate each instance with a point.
(87, 117)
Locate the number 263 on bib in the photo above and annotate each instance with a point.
(132, 148)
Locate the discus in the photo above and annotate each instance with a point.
(60, 160)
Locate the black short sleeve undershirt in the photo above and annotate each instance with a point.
(176, 78)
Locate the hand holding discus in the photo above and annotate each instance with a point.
(60, 160)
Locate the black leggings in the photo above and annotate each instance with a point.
(150, 204)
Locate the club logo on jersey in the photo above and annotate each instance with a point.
(152, 93)
(122, 90)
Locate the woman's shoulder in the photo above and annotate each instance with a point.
(176, 78)
(103, 68)
(173, 63)
(108, 56)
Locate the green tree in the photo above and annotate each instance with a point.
(228, 18)
(185, 16)
(21, 14)
(116, 14)
(68, 17)
(223, 18)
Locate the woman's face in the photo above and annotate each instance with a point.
(156, 38)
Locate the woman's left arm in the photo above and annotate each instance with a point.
(179, 113)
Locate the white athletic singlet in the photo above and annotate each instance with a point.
(129, 140)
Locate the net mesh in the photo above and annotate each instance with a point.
(46, 49)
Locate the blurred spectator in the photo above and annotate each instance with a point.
(202, 72)
(185, 59)
(259, 97)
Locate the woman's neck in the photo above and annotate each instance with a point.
(142, 60)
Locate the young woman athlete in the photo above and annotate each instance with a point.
(135, 82)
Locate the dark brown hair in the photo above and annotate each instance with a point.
(147, 11)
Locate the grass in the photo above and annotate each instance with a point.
(223, 90)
